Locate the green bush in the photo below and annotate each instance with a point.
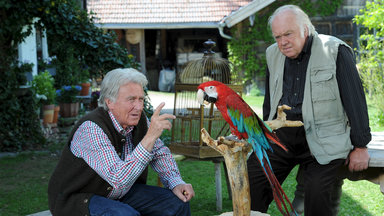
(371, 52)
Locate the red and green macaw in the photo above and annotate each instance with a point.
(245, 124)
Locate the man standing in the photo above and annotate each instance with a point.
(103, 167)
(316, 76)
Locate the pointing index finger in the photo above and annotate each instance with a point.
(159, 108)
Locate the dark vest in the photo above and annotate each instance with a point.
(73, 182)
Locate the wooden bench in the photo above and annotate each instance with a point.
(375, 171)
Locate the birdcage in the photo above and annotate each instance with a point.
(191, 117)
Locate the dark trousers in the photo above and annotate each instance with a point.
(141, 200)
(320, 180)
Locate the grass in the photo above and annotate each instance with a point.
(24, 182)
(24, 179)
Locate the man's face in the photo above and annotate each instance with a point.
(286, 32)
(128, 105)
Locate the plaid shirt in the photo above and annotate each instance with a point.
(92, 144)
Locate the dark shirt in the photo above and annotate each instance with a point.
(295, 71)
(349, 83)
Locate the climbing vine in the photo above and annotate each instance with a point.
(19, 124)
(247, 50)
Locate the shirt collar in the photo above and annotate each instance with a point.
(306, 48)
(308, 44)
(118, 127)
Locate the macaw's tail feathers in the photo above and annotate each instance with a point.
(271, 136)
(281, 199)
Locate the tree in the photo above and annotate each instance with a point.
(80, 46)
(72, 36)
(371, 56)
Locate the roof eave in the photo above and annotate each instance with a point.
(157, 25)
(245, 11)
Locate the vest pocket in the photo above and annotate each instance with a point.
(321, 87)
(333, 137)
(330, 129)
(324, 95)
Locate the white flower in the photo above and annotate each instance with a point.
(39, 96)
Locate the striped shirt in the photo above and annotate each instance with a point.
(92, 144)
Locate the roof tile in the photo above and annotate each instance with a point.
(162, 11)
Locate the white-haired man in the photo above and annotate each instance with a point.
(316, 76)
(103, 167)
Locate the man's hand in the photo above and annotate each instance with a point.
(358, 159)
(159, 123)
(184, 192)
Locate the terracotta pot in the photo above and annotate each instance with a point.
(56, 114)
(69, 109)
(85, 89)
(48, 111)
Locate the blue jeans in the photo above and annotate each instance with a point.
(140, 200)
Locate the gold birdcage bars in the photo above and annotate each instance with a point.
(191, 117)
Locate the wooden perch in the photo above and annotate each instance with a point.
(235, 156)
(281, 120)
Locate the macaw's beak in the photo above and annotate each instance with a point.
(209, 99)
(204, 98)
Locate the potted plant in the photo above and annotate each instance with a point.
(67, 98)
(43, 86)
(84, 82)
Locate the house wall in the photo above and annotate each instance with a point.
(33, 47)
(173, 45)
(28, 53)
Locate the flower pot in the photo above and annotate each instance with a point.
(56, 114)
(85, 89)
(48, 111)
(69, 109)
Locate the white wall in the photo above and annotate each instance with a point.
(28, 50)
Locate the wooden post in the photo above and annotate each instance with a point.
(219, 195)
(235, 156)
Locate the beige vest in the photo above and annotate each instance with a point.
(325, 121)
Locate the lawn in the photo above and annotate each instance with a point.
(24, 179)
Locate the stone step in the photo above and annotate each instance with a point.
(43, 213)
